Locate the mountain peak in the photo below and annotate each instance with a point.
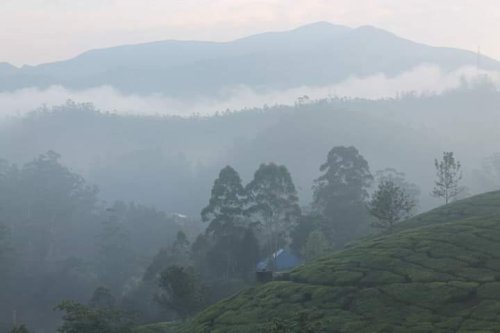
(6, 68)
(322, 26)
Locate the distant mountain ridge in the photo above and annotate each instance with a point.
(315, 55)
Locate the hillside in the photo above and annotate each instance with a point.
(441, 277)
(313, 55)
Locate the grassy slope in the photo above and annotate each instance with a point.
(431, 276)
(483, 205)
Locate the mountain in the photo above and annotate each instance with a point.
(435, 277)
(318, 54)
(7, 69)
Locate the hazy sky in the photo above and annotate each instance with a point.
(36, 31)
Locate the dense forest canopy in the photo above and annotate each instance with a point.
(271, 166)
(170, 161)
(133, 220)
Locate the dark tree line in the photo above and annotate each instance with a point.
(59, 241)
(55, 227)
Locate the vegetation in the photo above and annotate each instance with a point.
(449, 175)
(55, 225)
(439, 277)
(274, 205)
(340, 193)
(59, 241)
(390, 205)
(79, 318)
(19, 329)
(182, 290)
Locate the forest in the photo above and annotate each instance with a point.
(240, 166)
(71, 251)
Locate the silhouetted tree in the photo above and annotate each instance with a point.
(399, 179)
(117, 261)
(389, 205)
(273, 202)
(80, 318)
(226, 201)
(181, 290)
(340, 193)
(449, 175)
(228, 227)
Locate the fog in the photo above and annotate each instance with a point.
(327, 178)
(424, 79)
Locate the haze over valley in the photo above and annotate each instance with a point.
(326, 177)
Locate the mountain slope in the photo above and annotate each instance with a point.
(317, 55)
(443, 277)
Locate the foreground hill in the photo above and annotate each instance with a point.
(313, 55)
(439, 277)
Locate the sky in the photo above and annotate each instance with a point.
(39, 31)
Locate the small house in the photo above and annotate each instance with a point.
(283, 259)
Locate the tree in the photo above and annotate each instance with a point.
(19, 329)
(339, 194)
(80, 318)
(389, 205)
(117, 260)
(273, 202)
(248, 254)
(449, 175)
(182, 291)
(54, 199)
(177, 254)
(316, 245)
(399, 179)
(226, 201)
(305, 226)
(228, 227)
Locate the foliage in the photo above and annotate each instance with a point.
(79, 318)
(226, 201)
(230, 248)
(390, 205)
(435, 277)
(485, 204)
(300, 233)
(182, 290)
(57, 230)
(299, 323)
(274, 203)
(340, 193)
(19, 329)
(399, 179)
(449, 175)
(117, 260)
(316, 245)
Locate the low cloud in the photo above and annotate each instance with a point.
(422, 79)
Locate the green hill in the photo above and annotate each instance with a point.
(433, 277)
(483, 205)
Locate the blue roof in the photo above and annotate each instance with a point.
(284, 260)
